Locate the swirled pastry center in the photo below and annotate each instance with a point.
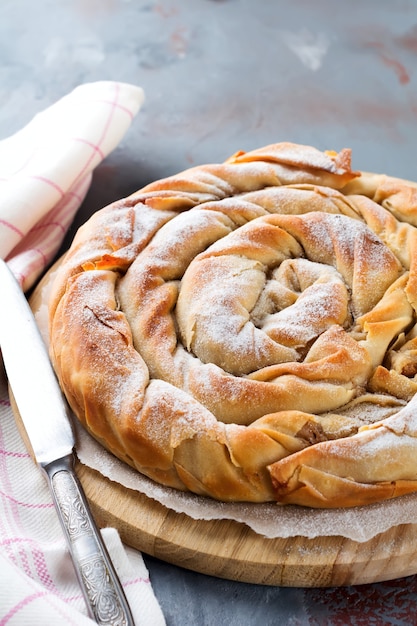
(247, 330)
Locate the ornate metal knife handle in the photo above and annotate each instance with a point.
(99, 582)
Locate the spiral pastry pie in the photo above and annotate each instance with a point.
(247, 330)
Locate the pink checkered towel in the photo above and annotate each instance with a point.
(45, 172)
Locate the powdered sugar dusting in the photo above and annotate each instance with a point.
(262, 334)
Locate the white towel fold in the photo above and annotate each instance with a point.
(45, 172)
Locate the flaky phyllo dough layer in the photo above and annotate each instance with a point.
(247, 330)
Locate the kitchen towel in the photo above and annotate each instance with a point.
(45, 173)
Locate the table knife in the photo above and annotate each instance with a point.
(46, 418)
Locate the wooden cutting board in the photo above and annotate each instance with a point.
(231, 550)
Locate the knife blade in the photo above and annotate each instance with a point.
(46, 418)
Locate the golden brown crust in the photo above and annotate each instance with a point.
(246, 330)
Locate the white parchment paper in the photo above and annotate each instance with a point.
(270, 520)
